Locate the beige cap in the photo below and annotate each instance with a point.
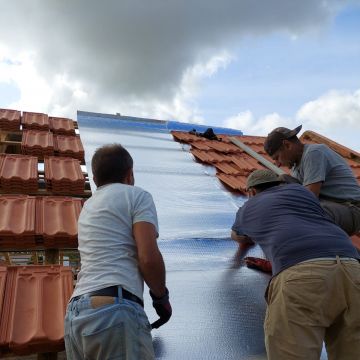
(262, 176)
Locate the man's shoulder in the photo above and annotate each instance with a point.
(313, 148)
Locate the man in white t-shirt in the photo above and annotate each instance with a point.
(117, 232)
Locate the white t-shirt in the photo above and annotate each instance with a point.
(107, 248)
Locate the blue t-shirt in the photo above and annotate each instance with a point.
(290, 226)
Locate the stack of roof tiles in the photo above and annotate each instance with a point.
(63, 175)
(32, 321)
(10, 120)
(61, 126)
(18, 173)
(29, 222)
(37, 143)
(70, 146)
(17, 221)
(56, 221)
(35, 121)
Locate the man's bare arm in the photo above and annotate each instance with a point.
(151, 262)
(241, 239)
(315, 188)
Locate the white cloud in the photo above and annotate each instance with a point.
(333, 109)
(249, 125)
(335, 115)
(144, 56)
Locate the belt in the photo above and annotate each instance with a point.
(113, 291)
(331, 259)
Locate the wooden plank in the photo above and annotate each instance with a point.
(257, 156)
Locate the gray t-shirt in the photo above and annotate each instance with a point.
(107, 248)
(321, 164)
(290, 226)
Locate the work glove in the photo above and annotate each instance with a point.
(258, 264)
(163, 309)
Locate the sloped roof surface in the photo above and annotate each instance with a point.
(233, 166)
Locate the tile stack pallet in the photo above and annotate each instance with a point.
(42, 190)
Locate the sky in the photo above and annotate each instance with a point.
(246, 64)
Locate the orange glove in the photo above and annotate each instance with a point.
(258, 264)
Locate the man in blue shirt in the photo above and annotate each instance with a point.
(314, 295)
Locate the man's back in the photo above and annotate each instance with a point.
(321, 164)
(106, 244)
(289, 224)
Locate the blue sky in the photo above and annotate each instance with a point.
(242, 64)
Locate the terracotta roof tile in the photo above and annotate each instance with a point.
(185, 137)
(17, 221)
(210, 156)
(234, 182)
(62, 126)
(64, 175)
(229, 168)
(222, 146)
(34, 308)
(37, 143)
(70, 146)
(19, 173)
(56, 220)
(320, 139)
(201, 145)
(36, 121)
(3, 271)
(10, 119)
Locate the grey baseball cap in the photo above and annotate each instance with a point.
(275, 138)
(261, 176)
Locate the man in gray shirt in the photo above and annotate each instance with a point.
(322, 171)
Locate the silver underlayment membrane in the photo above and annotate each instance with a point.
(218, 303)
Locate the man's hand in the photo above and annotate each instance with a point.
(163, 309)
(258, 264)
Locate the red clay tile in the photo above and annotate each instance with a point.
(17, 221)
(10, 120)
(229, 168)
(3, 271)
(64, 175)
(61, 126)
(234, 182)
(222, 146)
(210, 156)
(185, 137)
(70, 146)
(200, 145)
(36, 121)
(19, 174)
(37, 143)
(56, 220)
(34, 308)
(340, 149)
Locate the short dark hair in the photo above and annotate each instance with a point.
(110, 164)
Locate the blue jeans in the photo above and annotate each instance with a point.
(112, 331)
